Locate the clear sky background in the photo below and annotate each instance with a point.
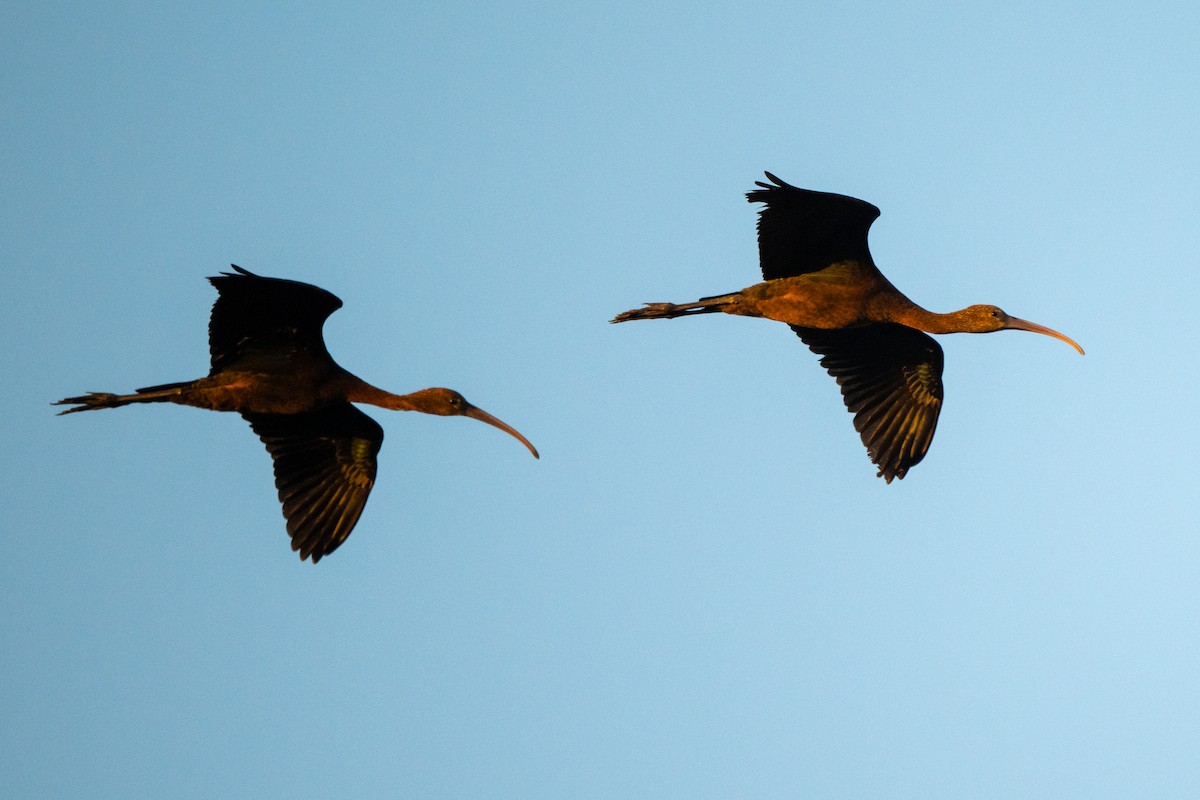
(701, 590)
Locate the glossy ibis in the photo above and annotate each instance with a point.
(269, 364)
(821, 281)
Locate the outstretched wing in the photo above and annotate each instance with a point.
(324, 471)
(891, 380)
(256, 317)
(802, 231)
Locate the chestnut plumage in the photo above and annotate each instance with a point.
(269, 364)
(820, 279)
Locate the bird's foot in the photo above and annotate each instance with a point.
(88, 401)
(648, 311)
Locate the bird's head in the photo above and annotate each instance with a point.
(449, 403)
(987, 318)
(443, 402)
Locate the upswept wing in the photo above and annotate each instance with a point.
(802, 231)
(891, 380)
(324, 470)
(265, 317)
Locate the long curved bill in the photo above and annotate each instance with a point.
(478, 413)
(1025, 325)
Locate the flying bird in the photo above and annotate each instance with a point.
(820, 279)
(269, 364)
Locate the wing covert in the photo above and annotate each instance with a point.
(324, 469)
(265, 315)
(802, 231)
(891, 380)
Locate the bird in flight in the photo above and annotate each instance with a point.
(269, 364)
(820, 279)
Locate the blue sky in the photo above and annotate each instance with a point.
(701, 589)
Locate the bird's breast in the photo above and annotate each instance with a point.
(261, 392)
(806, 300)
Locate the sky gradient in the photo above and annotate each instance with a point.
(701, 590)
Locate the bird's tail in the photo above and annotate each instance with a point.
(164, 393)
(705, 305)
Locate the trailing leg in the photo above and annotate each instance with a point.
(705, 305)
(166, 393)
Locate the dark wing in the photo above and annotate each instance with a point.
(324, 471)
(802, 231)
(257, 316)
(891, 380)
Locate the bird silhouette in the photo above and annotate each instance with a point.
(820, 279)
(269, 364)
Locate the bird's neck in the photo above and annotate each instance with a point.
(914, 316)
(362, 392)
